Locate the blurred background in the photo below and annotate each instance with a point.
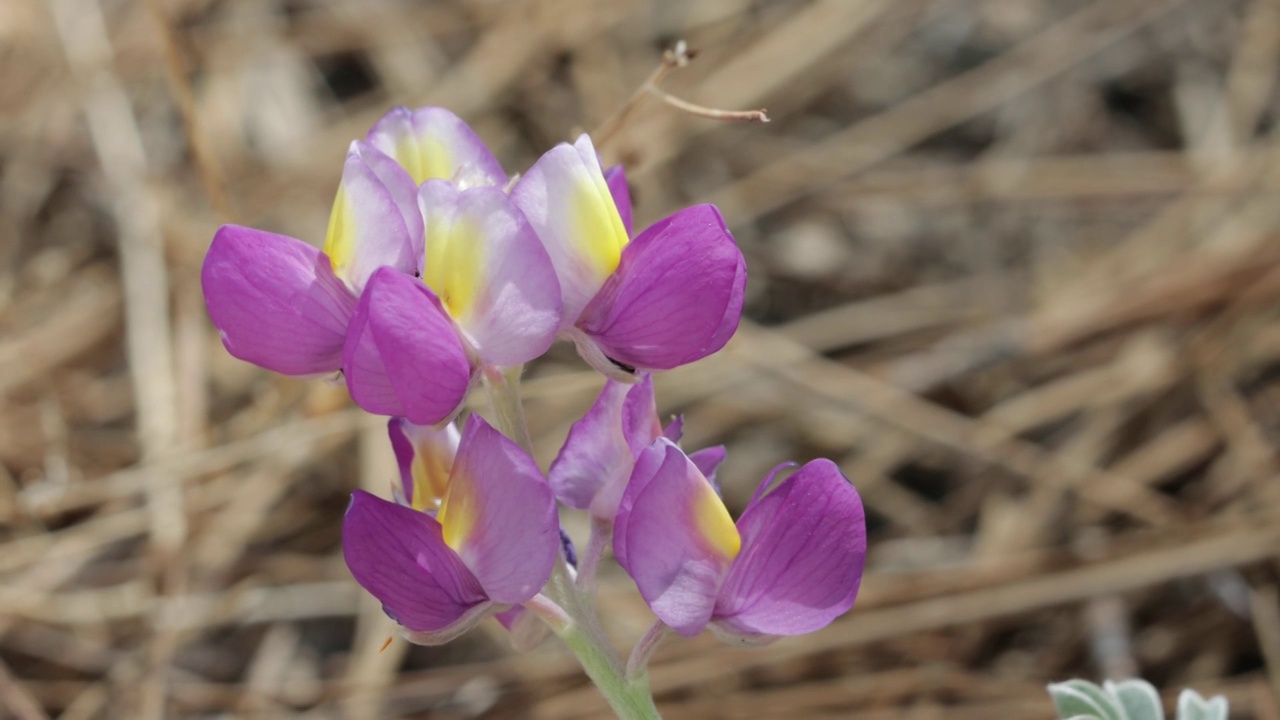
(1014, 265)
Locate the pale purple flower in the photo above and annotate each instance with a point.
(491, 546)
(671, 296)
(593, 465)
(791, 564)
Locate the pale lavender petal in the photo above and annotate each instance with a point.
(593, 465)
(676, 296)
(803, 550)
(674, 429)
(525, 629)
(595, 453)
(490, 271)
(616, 178)
(400, 557)
(708, 461)
(374, 222)
(276, 301)
(432, 143)
(500, 515)
(402, 355)
(566, 200)
(640, 424)
(450, 633)
(424, 454)
(674, 537)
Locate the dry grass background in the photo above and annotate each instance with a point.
(1014, 264)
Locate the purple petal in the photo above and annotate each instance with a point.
(593, 465)
(640, 424)
(674, 537)
(490, 271)
(500, 515)
(400, 557)
(616, 178)
(803, 550)
(425, 457)
(566, 200)
(276, 301)
(374, 222)
(403, 356)
(595, 453)
(676, 297)
(432, 143)
(708, 461)
(674, 429)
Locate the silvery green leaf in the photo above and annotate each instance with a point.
(1193, 707)
(1078, 697)
(1137, 698)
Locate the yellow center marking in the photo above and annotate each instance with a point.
(454, 264)
(340, 240)
(714, 523)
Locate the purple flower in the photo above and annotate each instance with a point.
(417, 288)
(488, 296)
(670, 296)
(285, 306)
(492, 544)
(593, 465)
(791, 565)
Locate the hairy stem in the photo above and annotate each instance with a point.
(508, 411)
(638, 663)
(590, 560)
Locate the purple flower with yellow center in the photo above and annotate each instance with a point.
(597, 457)
(491, 545)
(425, 455)
(791, 564)
(668, 297)
(428, 273)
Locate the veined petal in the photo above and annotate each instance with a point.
(425, 457)
(276, 301)
(674, 537)
(403, 356)
(616, 178)
(490, 271)
(374, 221)
(568, 203)
(595, 451)
(593, 465)
(432, 143)
(803, 549)
(500, 515)
(399, 556)
(676, 296)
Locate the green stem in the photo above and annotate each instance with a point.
(508, 411)
(629, 698)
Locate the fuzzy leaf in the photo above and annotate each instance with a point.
(1079, 697)
(1193, 707)
(1138, 699)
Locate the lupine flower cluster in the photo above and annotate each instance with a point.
(437, 271)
